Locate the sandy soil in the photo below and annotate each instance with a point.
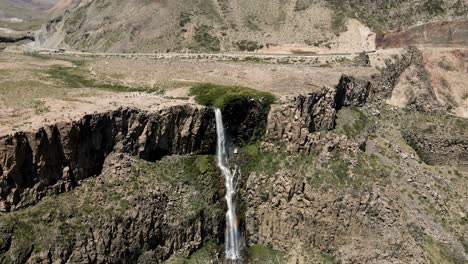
(448, 70)
(29, 100)
(356, 38)
(175, 74)
(60, 110)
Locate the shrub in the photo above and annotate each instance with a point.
(205, 40)
(248, 45)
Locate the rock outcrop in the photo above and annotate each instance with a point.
(246, 119)
(436, 148)
(298, 216)
(294, 121)
(407, 75)
(439, 33)
(129, 214)
(14, 39)
(56, 158)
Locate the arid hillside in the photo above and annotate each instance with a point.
(220, 25)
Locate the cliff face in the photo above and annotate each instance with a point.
(54, 159)
(438, 147)
(134, 212)
(334, 177)
(295, 121)
(298, 217)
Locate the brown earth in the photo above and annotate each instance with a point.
(435, 34)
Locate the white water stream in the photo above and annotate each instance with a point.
(231, 233)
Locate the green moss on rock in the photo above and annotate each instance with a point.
(262, 254)
(219, 96)
(245, 110)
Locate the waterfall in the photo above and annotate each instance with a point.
(231, 233)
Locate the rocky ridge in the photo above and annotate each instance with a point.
(295, 121)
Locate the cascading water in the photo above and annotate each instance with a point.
(231, 234)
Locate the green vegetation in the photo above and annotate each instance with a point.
(71, 78)
(184, 19)
(439, 253)
(248, 45)
(259, 254)
(352, 122)
(338, 23)
(60, 220)
(207, 254)
(197, 172)
(389, 14)
(221, 95)
(341, 170)
(204, 255)
(434, 7)
(318, 43)
(205, 41)
(39, 56)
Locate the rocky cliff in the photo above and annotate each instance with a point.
(295, 121)
(134, 212)
(336, 178)
(437, 146)
(54, 159)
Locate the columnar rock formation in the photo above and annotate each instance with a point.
(55, 158)
(295, 121)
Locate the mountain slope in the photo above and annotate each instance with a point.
(218, 25)
(24, 15)
(34, 4)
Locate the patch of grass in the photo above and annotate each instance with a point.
(39, 56)
(439, 253)
(343, 61)
(71, 78)
(351, 121)
(338, 23)
(205, 40)
(341, 170)
(253, 59)
(200, 173)
(259, 254)
(220, 95)
(204, 255)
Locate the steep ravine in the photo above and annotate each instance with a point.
(130, 186)
(122, 186)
